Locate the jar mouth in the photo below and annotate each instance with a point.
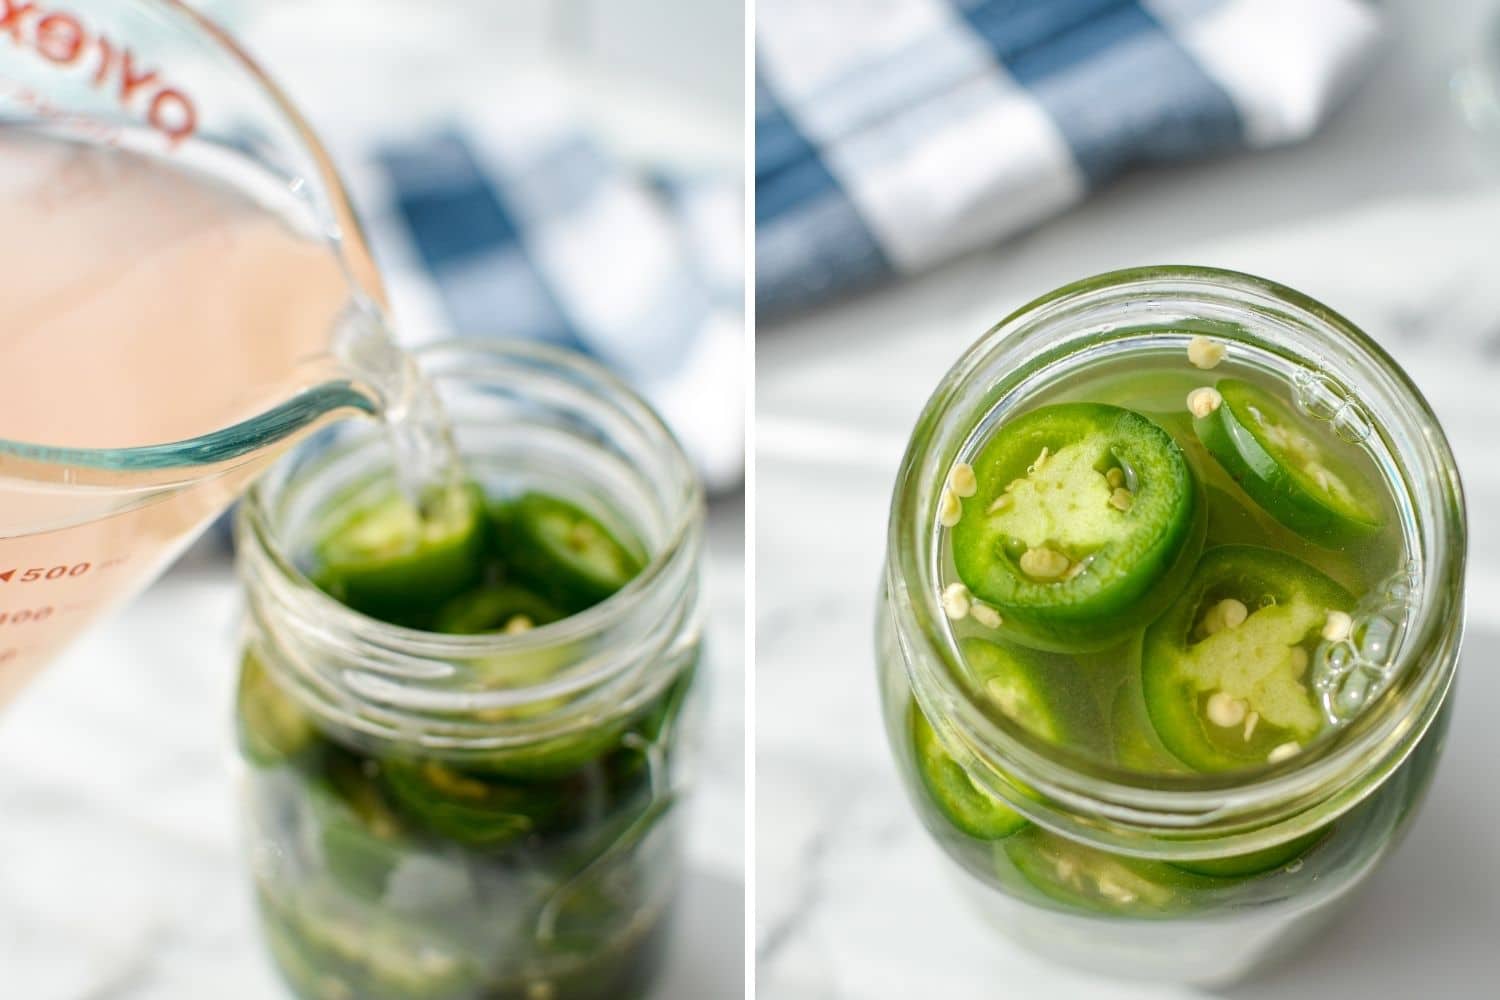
(1084, 792)
(425, 672)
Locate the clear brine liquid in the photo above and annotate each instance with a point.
(148, 302)
(1099, 694)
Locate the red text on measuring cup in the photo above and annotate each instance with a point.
(64, 40)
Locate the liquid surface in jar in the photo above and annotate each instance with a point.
(1175, 563)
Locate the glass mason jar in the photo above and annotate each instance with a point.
(1194, 878)
(473, 816)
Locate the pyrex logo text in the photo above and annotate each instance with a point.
(64, 40)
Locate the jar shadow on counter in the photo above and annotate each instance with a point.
(1434, 905)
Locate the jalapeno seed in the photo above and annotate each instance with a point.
(1203, 401)
(1225, 710)
(1205, 353)
(1337, 626)
(985, 615)
(949, 509)
(1228, 613)
(961, 480)
(1284, 752)
(956, 601)
(1044, 563)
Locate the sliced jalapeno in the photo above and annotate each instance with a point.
(1083, 513)
(343, 955)
(471, 809)
(562, 551)
(362, 838)
(1090, 879)
(391, 561)
(273, 728)
(1255, 862)
(1307, 484)
(623, 758)
(1224, 669)
(967, 806)
(1136, 745)
(1019, 684)
(496, 608)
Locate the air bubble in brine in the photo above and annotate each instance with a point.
(1351, 695)
(1373, 638)
(1316, 395)
(1351, 424)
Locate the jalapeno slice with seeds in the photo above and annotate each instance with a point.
(1083, 517)
(497, 608)
(362, 838)
(391, 561)
(562, 551)
(1096, 881)
(968, 807)
(330, 951)
(1224, 669)
(468, 808)
(1303, 482)
(1021, 685)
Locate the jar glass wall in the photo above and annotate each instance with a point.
(1173, 875)
(474, 816)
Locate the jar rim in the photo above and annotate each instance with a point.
(1084, 792)
(669, 565)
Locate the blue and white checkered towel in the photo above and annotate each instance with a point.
(892, 134)
(522, 226)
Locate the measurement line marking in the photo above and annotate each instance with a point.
(7, 575)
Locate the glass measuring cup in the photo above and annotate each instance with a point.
(187, 292)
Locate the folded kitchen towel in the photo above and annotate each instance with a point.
(521, 226)
(892, 134)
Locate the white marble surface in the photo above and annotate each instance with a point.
(1391, 216)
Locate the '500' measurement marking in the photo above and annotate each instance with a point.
(25, 615)
(38, 573)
